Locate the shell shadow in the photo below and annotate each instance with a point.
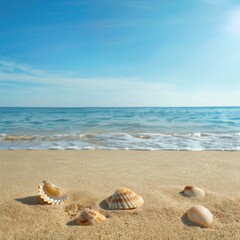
(182, 194)
(71, 223)
(187, 222)
(31, 200)
(103, 204)
(74, 223)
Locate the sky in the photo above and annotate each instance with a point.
(111, 53)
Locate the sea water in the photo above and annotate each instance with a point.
(200, 128)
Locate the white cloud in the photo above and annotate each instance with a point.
(61, 89)
(12, 66)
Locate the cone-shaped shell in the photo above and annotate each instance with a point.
(200, 215)
(90, 217)
(51, 193)
(191, 191)
(124, 198)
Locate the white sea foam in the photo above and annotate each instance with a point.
(56, 148)
(3, 135)
(88, 148)
(33, 148)
(197, 134)
(72, 148)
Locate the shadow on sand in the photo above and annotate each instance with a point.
(31, 200)
(74, 223)
(187, 222)
(183, 195)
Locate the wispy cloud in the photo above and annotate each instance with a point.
(13, 66)
(74, 83)
(33, 88)
(96, 91)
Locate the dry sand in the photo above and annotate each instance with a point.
(88, 177)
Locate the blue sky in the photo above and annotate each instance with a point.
(120, 53)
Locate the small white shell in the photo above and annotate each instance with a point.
(191, 191)
(124, 198)
(90, 217)
(51, 193)
(200, 215)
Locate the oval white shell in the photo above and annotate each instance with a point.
(191, 191)
(51, 193)
(200, 215)
(124, 198)
(90, 217)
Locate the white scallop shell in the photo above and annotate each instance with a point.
(191, 191)
(90, 217)
(51, 193)
(124, 198)
(200, 215)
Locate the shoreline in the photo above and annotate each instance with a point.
(88, 177)
(134, 150)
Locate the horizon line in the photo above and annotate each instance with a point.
(235, 106)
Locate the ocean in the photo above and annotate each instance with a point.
(147, 128)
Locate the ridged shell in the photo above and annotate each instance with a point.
(124, 198)
(200, 215)
(51, 193)
(90, 217)
(191, 191)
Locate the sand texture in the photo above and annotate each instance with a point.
(88, 177)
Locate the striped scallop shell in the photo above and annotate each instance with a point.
(90, 217)
(200, 215)
(191, 191)
(124, 198)
(50, 193)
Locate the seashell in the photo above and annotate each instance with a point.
(51, 193)
(90, 217)
(191, 191)
(200, 215)
(124, 198)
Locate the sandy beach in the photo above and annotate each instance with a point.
(88, 177)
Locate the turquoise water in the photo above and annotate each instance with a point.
(120, 128)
